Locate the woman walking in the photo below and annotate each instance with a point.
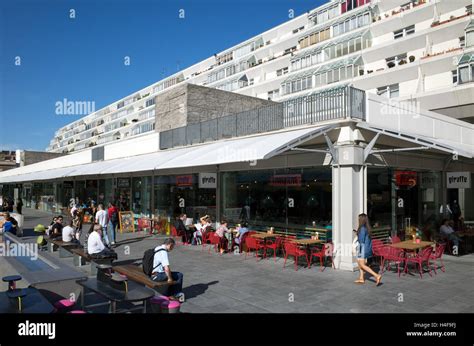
(365, 250)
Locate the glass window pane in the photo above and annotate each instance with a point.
(350, 71)
(464, 74)
(345, 50)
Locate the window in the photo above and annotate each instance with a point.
(410, 30)
(150, 102)
(462, 41)
(398, 34)
(120, 104)
(404, 32)
(273, 94)
(455, 76)
(464, 74)
(282, 71)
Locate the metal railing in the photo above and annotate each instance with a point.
(338, 103)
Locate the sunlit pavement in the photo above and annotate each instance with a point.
(231, 284)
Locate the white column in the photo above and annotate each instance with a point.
(349, 192)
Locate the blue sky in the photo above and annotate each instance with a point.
(82, 59)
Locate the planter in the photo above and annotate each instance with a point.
(369, 71)
(391, 64)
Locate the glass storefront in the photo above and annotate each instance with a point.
(177, 194)
(141, 195)
(284, 198)
(402, 198)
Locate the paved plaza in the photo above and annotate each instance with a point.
(233, 284)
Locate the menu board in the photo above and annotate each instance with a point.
(126, 221)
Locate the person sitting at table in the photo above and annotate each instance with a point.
(50, 227)
(201, 228)
(10, 225)
(241, 231)
(57, 229)
(69, 233)
(221, 233)
(446, 230)
(95, 246)
(180, 226)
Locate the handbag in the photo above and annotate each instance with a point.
(355, 246)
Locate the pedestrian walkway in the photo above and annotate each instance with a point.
(232, 284)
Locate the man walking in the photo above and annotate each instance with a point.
(102, 219)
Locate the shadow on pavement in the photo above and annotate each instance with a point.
(198, 289)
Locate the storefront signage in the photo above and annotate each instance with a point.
(286, 180)
(207, 180)
(405, 178)
(184, 180)
(123, 182)
(459, 180)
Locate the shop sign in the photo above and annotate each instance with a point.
(286, 180)
(405, 178)
(123, 182)
(207, 180)
(26, 186)
(184, 180)
(459, 180)
(68, 184)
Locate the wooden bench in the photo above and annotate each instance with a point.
(135, 273)
(81, 258)
(62, 246)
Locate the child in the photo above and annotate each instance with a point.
(221, 231)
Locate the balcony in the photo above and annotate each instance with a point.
(338, 103)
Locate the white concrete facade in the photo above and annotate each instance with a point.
(431, 33)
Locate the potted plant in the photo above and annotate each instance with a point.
(391, 64)
(402, 62)
(412, 58)
(370, 71)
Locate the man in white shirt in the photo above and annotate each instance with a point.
(94, 242)
(102, 218)
(68, 234)
(162, 270)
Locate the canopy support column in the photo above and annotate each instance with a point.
(349, 192)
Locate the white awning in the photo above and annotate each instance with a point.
(436, 144)
(244, 149)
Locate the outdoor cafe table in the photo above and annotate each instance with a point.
(307, 242)
(32, 302)
(136, 293)
(411, 246)
(264, 236)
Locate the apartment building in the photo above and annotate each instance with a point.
(420, 51)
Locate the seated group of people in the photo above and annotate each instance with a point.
(194, 233)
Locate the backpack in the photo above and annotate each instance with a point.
(147, 262)
(114, 218)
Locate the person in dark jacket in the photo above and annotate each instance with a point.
(19, 205)
(180, 226)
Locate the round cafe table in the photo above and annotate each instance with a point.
(11, 279)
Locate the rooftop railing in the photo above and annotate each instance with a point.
(343, 102)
